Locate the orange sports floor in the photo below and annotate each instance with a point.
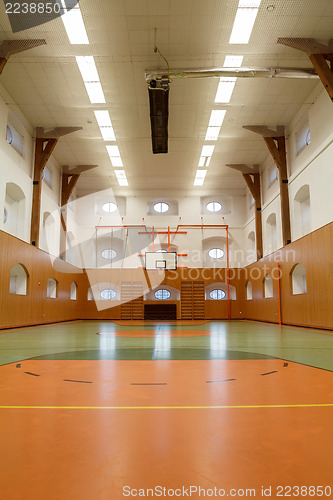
(87, 428)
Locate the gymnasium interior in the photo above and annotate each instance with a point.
(166, 268)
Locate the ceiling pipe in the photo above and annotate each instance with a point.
(231, 72)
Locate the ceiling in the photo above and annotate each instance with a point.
(46, 84)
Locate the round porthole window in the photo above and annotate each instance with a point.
(214, 206)
(217, 294)
(110, 207)
(161, 207)
(216, 253)
(162, 294)
(109, 253)
(108, 294)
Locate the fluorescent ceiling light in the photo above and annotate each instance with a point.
(200, 177)
(233, 61)
(95, 92)
(75, 27)
(243, 25)
(121, 177)
(114, 156)
(217, 117)
(207, 150)
(87, 68)
(108, 133)
(225, 89)
(103, 118)
(212, 133)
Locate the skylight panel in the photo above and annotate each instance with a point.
(74, 26)
(103, 118)
(105, 125)
(108, 133)
(87, 68)
(216, 118)
(243, 25)
(233, 61)
(225, 89)
(207, 150)
(200, 177)
(121, 177)
(114, 155)
(95, 92)
(212, 133)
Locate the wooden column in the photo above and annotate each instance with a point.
(253, 183)
(276, 144)
(43, 151)
(11, 47)
(251, 176)
(320, 55)
(45, 144)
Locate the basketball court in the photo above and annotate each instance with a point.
(89, 408)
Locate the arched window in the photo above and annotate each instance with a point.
(252, 246)
(271, 234)
(52, 288)
(48, 237)
(302, 211)
(73, 294)
(18, 284)
(298, 279)
(268, 286)
(14, 210)
(90, 295)
(249, 290)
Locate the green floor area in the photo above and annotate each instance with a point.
(219, 340)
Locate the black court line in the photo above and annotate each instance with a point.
(162, 383)
(33, 374)
(226, 380)
(78, 381)
(269, 373)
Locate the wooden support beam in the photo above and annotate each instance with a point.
(10, 47)
(3, 62)
(320, 55)
(79, 169)
(253, 183)
(55, 133)
(265, 131)
(45, 144)
(243, 168)
(43, 151)
(277, 148)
